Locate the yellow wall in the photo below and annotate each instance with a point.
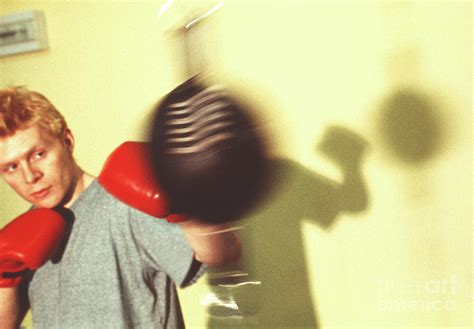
(309, 66)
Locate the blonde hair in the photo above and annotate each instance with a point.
(20, 108)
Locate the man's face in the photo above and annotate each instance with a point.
(39, 166)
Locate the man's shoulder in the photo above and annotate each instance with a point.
(96, 201)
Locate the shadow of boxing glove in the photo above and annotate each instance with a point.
(27, 242)
(128, 175)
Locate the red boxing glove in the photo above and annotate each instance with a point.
(129, 176)
(27, 242)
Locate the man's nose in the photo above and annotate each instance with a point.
(31, 174)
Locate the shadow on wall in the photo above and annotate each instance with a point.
(269, 287)
(410, 126)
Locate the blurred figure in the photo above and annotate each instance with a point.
(119, 263)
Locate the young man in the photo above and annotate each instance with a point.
(117, 266)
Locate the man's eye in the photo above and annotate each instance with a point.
(11, 168)
(39, 154)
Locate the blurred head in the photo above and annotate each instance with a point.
(36, 149)
(209, 158)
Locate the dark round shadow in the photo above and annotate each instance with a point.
(410, 126)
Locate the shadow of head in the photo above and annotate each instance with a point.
(411, 126)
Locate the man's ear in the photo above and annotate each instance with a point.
(68, 140)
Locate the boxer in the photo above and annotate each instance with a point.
(119, 263)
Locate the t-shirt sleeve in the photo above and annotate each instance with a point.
(164, 247)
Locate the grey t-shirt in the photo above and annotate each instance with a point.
(118, 269)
